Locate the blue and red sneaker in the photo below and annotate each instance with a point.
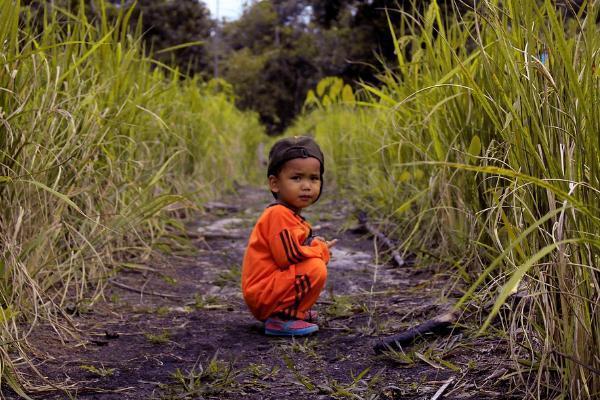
(294, 327)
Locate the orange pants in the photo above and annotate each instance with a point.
(311, 275)
(300, 294)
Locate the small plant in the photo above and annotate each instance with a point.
(341, 306)
(230, 277)
(202, 301)
(359, 387)
(169, 279)
(102, 371)
(215, 378)
(305, 346)
(342, 355)
(162, 310)
(262, 371)
(303, 379)
(160, 338)
(399, 357)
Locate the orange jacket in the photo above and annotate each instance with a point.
(276, 244)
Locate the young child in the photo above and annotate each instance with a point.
(284, 267)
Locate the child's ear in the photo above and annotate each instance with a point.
(273, 184)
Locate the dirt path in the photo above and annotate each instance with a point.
(177, 327)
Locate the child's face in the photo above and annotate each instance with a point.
(298, 184)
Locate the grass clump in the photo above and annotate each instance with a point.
(229, 277)
(158, 338)
(207, 301)
(482, 146)
(102, 371)
(262, 371)
(100, 151)
(217, 377)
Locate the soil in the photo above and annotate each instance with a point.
(176, 326)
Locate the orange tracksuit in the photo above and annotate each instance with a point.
(282, 274)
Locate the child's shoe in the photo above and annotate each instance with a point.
(293, 327)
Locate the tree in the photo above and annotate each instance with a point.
(168, 23)
(270, 61)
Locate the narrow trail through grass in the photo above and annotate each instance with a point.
(175, 326)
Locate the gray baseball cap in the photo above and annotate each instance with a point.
(294, 147)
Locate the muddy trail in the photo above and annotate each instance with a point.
(176, 326)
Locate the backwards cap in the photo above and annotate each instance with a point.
(294, 147)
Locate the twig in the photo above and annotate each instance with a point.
(362, 219)
(436, 325)
(443, 388)
(136, 290)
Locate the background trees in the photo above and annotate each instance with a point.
(279, 49)
(274, 53)
(168, 23)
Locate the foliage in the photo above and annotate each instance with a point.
(158, 338)
(217, 377)
(176, 33)
(97, 149)
(102, 371)
(269, 64)
(272, 55)
(278, 49)
(168, 24)
(482, 145)
(329, 91)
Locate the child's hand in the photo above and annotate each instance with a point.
(329, 243)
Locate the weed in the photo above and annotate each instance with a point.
(162, 310)
(306, 346)
(432, 354)
(205, 301)
(217, 377)
(342, 306)
(262, 371)
(300, 377)
(160, 338)
(399, 356)
(102, 371)
(359, 387)
(169, 279)
(229, 277)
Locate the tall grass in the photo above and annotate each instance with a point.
(482, 144)
(97, 143)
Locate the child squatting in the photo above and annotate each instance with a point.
(285, 266)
